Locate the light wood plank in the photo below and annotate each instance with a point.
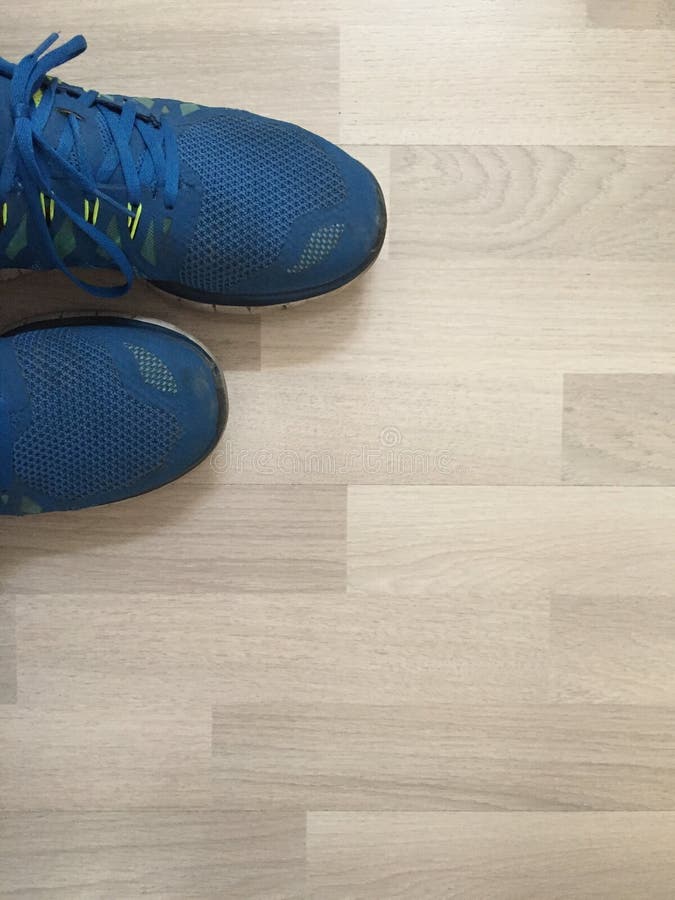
(464, 14)
(297, 16)
(619, 429)
(423, 541)
(229, 647)
(7, 651)
(136, 647)
(444, 757)
(135, 854)
(406, 427)
(628, 14)
(440, 85)
(513, 856)
(186, 538)
(329, 648)
(116, 756)
(436, 316)
(613, 650)
(534, 202)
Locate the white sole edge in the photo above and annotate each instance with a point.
(245, 310)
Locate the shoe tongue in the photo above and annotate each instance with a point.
(94, 133)
(105, 142)
(93, 127)
(89, 128)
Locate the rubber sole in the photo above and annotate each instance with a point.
(224, 309)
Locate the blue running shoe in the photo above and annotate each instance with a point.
(95, 410)
(213, 205)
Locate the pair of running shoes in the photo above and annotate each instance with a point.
(212, 205)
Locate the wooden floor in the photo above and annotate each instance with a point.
(411, 633)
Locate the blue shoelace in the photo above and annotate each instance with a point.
(30, 158)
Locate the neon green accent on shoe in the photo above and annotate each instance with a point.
(148, 249)
(19, 241)
(187, 108)
(166, 225)
(134, 218)
(48, 208)
(65, 241)
(145, 101)
(91, 211)
(29, 507)
(113, 231)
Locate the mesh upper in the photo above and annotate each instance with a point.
(258, 177)
(87, 434)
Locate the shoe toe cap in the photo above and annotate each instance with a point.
(284, 214)
(333, 246)
(111, 408)
(179, 376)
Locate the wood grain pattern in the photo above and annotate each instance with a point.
(300, 15)
(329, 648)
(512, 856)
(463, 14)
(494, 86)
(626, 14)
(613, 650)
(535, 202)
(510, 541)
(409, 633)
(407, 428)
(115, 756)
(7, 651)
(444, 757)
(185, 538)
(88, 649)
(433, 315)
(619, 429)
(168, 854)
